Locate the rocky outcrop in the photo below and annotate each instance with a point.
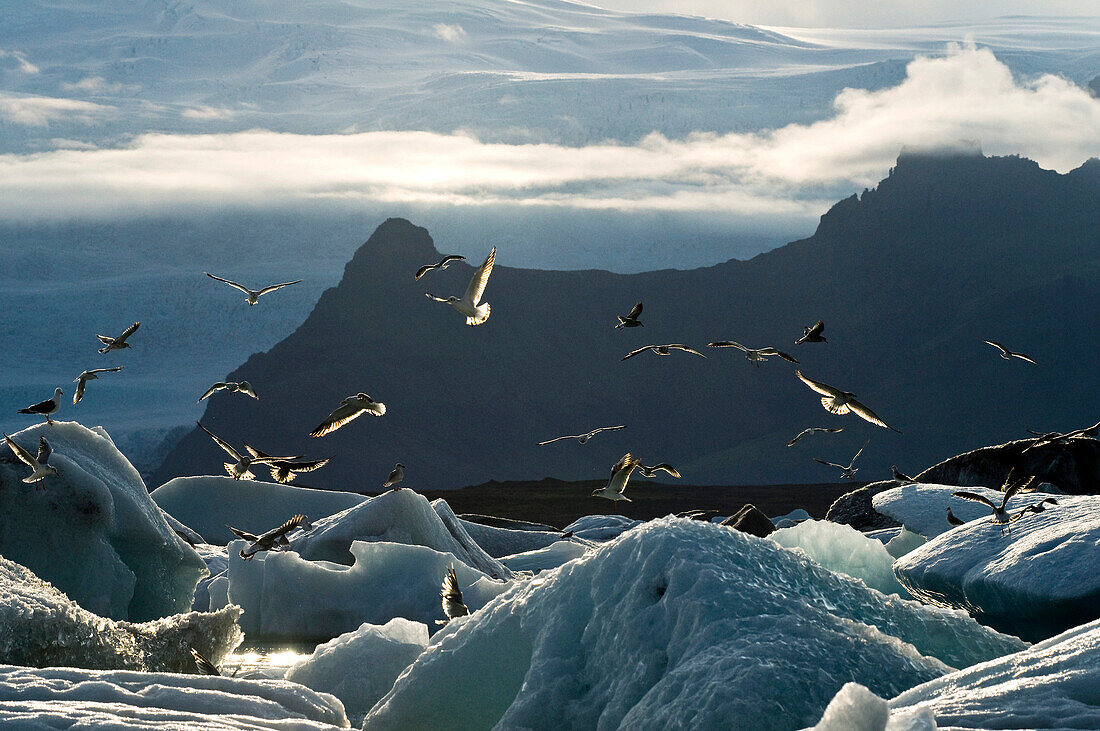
(1073, 467)
(855, 509)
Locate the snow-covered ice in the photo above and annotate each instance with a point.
(600, 527)
(855, 708)
(678, 623)
(843, 549)
(217, 562)
(40, 626)
(54, 698)
(286, 596)
(903, 542)
(922, 508)
(549, 557)
(92, 531)
(1034, 582)
(208, 504)
(359, 667)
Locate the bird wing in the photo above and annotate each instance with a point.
(817, 328)
(975, 497)
(727, 344)
(105, 340)
(594, 432)
(101, 370)
(998, 346)
(127, 332)
(476, 288)
(243, 534)
(822, 388)
(1014, 488)
(681, 346)
(274, 287)
(555, 439)
(868, 415)
(246, 388)
(342, 415)
(205, 666)
(665, 467)
(780, 353)
(222, 443)
(449, 258)
(44, 450)
(1021, 356)
(633, 353)
(305, 466)
(831, 464)
(79, 393)
(635, 312)
(230, 282)
(285, 528)
(424, 270)
(255, 452)
(859, 453)
(1088, 431)
(801, 434)
(216, 387)
(23, 455)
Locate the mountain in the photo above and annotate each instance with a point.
(909, 278)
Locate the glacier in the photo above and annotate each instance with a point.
(678, 623)
(499, 542)
(549, 557)
(1038, 580)
(845, 550)
(93, 531)
(40, 626)
(855, 708)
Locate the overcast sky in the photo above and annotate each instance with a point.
(855, 13)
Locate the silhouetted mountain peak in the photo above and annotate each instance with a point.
(395, 245)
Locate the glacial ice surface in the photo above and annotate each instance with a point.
(677, 623)
(600, 527)
(92, 531)
(41, 627)
(498, 542)
(843, 549)
(855, 708)
(549, 557)
(922, 508)
(1036, 581)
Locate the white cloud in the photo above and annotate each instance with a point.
(205, 112)
(96, 85)
(449, 33)
(793, 172)
(40, 111)
(21, 61)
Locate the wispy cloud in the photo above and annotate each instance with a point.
(97, 85)
(450, 33)
(21, 62)
(206, 112)
(40, 111)
(794, 171)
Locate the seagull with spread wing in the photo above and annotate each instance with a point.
(836, 401)
(350, 408)
(451, 595)
(812, 334)
(45, 408)
(285, 471)
(470, 304)
(118, 343)
(1001, 516)
(662, 350)
(89, 375)
(662, 467)
(40, 467)
(252, 296)
(846, 472)
(756, 356)
(1057, 437)
(232, 387)
(631, 319)
(620, 474)
(274, 540)
(204, 666)
(443, 264)
(1008, 354)
(583, 438)
(239, 469)
(812, 430)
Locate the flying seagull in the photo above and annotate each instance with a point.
(756, 356)
(253, 295)
(86, 376)
(119, 342)
(443, 264)
(1052, 437)
(452, 596)
(1008, 354)
(285, 471)
(631, 320)
(663, 467)
(45, 408)
(470, 304)
(350, 408)
(582, 438)
(812, 334)
(275, 539)
(836, 401)
(812, 430)
(239, 468)
(616, 484)
(952, 519)
(662, 350)
(232, 387)
(850, 471)
(396, 476)
(899, 475)
(1041, 505)
(40, 468)
(1001, 515)
(205, 666)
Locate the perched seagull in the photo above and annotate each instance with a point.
(396, 476)
(470, 305)
(274, 540)
(443, 264)
(812, 430)
(812, 334)
(582, 438)
(836, 401)
(350, 408)
(86, 376)
(253, 295)
(452, 596)
(185, 538)
(901, 476)
(652, 471)
(662, 350)
(756, 356)
(1040, 506)
(233, 387)
(45, 408)
(119, 342)
(1001, 515)
(284, 471)
(952, 519)
(620, 474)
(1008, 354)
(205, 666)
(39, 466)
(1052, 437)
(849, 472)
(239, 468)
(631, 320)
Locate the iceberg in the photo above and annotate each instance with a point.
(121, 699)
(1040, 579)
(922, 508)
(546, 558)
(845, 550)
(683, 624)
(498, 542)
(286, 596)
(41, 627)
(855, 708)
(600, 527)
(208, 504)
(92, 531)
(359, 667)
